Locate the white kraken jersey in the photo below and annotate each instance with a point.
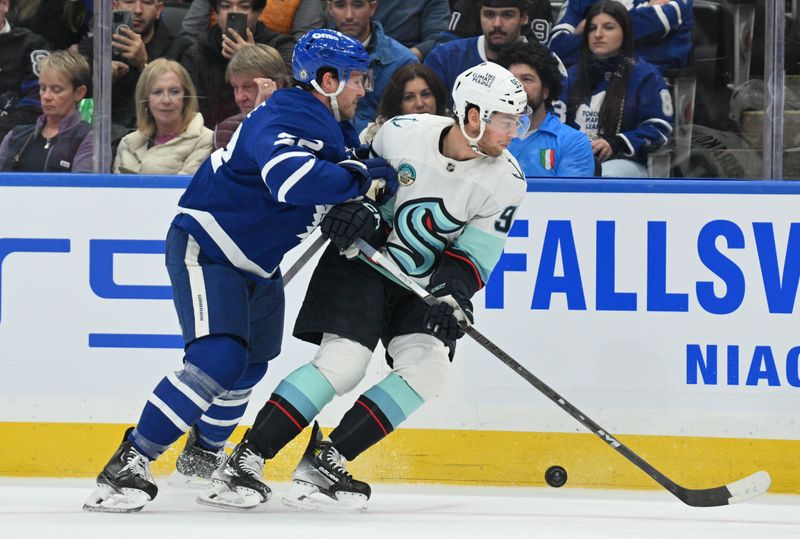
(443, 203)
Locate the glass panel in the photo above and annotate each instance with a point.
(725, 120)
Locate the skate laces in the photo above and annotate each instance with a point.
(336, 461)
(250, 463)
(137, 464)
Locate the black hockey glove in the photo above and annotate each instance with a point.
(345, 223)
(454, 309)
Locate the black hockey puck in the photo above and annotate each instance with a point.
(555, 476)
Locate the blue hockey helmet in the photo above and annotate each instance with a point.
(328, 48)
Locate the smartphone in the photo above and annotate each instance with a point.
(121, 18)
(237, 21)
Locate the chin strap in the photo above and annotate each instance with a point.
(473, 141)
(332, 96)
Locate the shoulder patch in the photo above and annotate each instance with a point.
(406, 174)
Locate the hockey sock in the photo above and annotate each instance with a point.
(375, 414)
(296, 401)
(211, 366)
(226, 411)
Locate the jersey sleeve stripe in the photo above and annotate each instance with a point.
(226, 244)
(294, 178)
(280, 158)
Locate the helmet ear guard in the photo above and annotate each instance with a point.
(491, 88)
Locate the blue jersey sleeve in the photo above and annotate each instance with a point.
(579, 162)
(563, 39)
(294, 173)
(659, 20)
(654, 114)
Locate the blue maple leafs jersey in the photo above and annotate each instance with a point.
(262, 194)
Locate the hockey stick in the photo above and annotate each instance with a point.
(309, 253)
(737, 491)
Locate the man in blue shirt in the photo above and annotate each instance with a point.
(355, 18)
(549, 148)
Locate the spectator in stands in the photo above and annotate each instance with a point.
(617, 99)
(19, 51)
(59, 141)
(133, 48)
(294, 17)
(61, 22)
(502, 22)
(549, 148)
(170, 138)
(355, 18)
(662, 31)
(417, 25)
(254, 73)
(465, 20)
(207, 59)
(412, 89)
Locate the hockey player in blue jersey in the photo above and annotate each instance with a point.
(662, 31)
(446, 228)
(246, 206)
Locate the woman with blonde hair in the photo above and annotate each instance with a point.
(59, 141)
(170, 137)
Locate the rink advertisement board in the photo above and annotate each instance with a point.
(665, 310)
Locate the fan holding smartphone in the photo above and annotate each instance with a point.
(236, 35)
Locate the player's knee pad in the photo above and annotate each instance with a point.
(222, 358)
(342, 362)
(422, 361)
(252, 375)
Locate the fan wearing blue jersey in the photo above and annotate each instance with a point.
(662, 31)
(446, 228)
(502, 22)
(247, 205)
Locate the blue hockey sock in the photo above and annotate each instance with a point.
(226, 411)
(212, 365)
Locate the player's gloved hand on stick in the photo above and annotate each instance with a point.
(378, 178)
(345, 223)
(454, 309)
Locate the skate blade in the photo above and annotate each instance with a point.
(221, 495)
(193, 482)
(304, 496)
(105, 499)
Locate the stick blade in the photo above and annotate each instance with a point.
(749, 487)
(739, 491)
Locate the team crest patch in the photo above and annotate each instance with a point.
(406, 174)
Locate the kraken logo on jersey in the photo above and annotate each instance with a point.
(421, 225)
(406, 174)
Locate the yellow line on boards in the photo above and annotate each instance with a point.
(443, 456)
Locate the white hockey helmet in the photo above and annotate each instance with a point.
(493, 89)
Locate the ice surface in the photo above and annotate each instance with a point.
(44, 508)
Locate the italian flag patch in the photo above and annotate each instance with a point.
(547, 158)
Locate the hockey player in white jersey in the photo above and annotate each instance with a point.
(446, 227)
(246, 206)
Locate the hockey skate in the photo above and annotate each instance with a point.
(195, 464)
(125, 485)
(237, 484)
(321, 481)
